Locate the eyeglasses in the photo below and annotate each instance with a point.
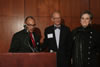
(56, 18)
(30, 24)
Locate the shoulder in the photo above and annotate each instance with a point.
(19, 33)
(65, 28)
(95, 32)
(49, 28)
(76, 29)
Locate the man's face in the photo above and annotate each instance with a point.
(85, 20)
(30, 23)
(56, 18)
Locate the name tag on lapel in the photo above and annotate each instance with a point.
(50, 35)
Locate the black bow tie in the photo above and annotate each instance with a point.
(57, 27)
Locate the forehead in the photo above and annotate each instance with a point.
(86, 15)
(56, 14)
(30, 20)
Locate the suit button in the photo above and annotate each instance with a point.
(88, 63)
(91, 32)
(89, 52)
(89, 58)
(89, 47)
(89, 42)
(90, 37)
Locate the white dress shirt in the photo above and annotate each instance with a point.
(57, 36)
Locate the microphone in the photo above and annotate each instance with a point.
(25, 26)
(26, 42)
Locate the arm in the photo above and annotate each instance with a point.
(14, 44)
(45, 42)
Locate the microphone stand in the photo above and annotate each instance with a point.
(28, 44)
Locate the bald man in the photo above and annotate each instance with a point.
(26, 40)
(58, 39)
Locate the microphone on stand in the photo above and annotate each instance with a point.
(26, 42)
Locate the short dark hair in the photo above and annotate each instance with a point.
(29, 17)
(87, 12)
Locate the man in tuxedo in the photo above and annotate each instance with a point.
(26, 40)
(58, 39)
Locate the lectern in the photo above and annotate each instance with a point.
(28, 60)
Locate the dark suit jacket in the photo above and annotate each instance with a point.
(64, 51)
(21, 42)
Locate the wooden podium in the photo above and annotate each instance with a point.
(28, 60)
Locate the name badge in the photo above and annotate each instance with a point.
(50, 35)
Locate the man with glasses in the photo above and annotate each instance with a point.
(58, 39)
(26, 40)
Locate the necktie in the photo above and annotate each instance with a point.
(33, 42)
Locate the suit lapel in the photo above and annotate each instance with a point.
(61, 36)
(54, 38)
(35, 37)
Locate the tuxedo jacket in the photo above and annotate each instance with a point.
(64, 50)
(21, 42)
